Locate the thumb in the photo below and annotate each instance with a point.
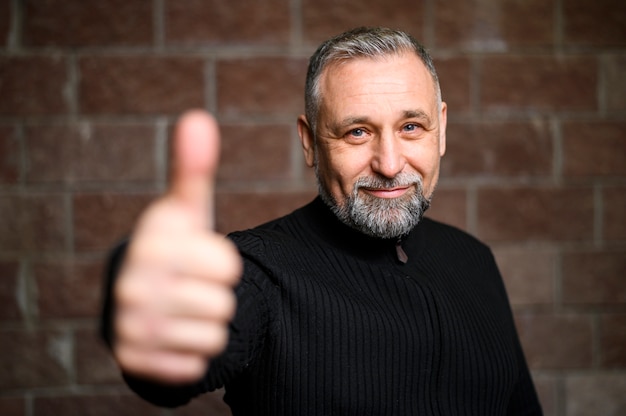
(196, 144)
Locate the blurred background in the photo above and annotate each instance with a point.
(535, 167)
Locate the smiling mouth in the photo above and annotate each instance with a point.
(387, 192)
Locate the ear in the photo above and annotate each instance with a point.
(443, 122)
(307, 139)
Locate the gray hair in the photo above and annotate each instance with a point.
(362, 42)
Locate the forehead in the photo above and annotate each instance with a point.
(401, 78)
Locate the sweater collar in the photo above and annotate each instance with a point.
(325, 225)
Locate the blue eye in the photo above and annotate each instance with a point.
(357, 132)
(410, 127)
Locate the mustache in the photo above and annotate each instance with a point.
(378, 182)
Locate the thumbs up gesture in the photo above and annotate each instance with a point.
(174, 295)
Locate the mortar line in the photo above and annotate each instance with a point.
(14, 41)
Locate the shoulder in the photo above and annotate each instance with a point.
(257, 240)
(459, 253)
(453, 244)
(445, 233)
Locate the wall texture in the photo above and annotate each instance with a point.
(536, 165)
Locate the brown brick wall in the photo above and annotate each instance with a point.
(536, 165)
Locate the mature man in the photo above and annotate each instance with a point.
(353, 304)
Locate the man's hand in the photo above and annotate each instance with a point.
(174, 296)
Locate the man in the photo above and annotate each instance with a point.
(351, 305)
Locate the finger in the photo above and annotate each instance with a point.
(196, 153)
(197, 336)
(191, 298)
(206, 256)
(194, 336)
(210, 257)
(177, 296)
(166, 366)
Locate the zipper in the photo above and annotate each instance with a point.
(400, 253)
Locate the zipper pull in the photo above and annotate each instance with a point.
(402, 257)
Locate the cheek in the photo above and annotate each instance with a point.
(427, 167)
(340, 171)
(431, 176)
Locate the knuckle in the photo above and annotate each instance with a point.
(130, 328)
(215, 340)
(126, 290)
(222, 304)
(229, 305)
(127, 357)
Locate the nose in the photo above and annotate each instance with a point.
(388, 159)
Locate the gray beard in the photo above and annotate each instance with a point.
(381, 217)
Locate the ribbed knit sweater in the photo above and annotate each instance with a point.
(332, 322)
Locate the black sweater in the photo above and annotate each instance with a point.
(331, 322)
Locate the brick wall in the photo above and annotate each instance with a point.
(536, 165)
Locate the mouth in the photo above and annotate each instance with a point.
(387, 192)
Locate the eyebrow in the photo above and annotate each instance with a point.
(420, 114)
(349, 121)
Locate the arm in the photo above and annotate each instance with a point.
(524, 400)
(170, 297)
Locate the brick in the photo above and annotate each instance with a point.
(528, 274)
(594, 23)
(32, 359)
(83, 153)
(256, 152)
(9, 290)
(536, 83)
(214, 21)
(37, 222)
(102, 220)
(12, 406)
(113, 404)
(140, 84)
(241, 91)
(594, 277)
(536, 214)
(322, 19)
(10, 156)
(450, 207)
(11, 231)
(613, 340)
(595, 394)
(615, 85)
(510, 149)
(543, 334)
(614, 215)
(94, 361)
(33, 85)
(494, 25)
(68, 289)
(454, 80)
(239, 211)
(594, 149)
(71, 23)
(211, 403)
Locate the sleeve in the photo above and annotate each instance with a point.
(247, 332)
(523, 400)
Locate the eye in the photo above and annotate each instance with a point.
(357, 132)
(411, 127)
(357, 135)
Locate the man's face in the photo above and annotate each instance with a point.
(380, 137)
